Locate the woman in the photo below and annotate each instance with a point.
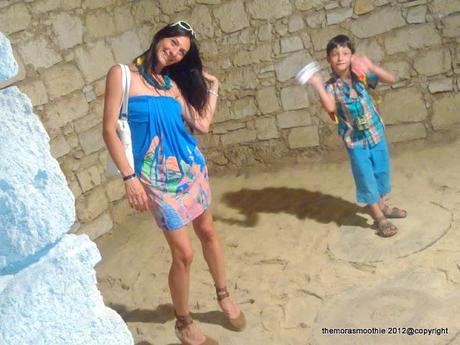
(168, 99)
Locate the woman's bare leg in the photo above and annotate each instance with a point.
(213, 254)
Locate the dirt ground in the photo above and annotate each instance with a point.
(303, 259)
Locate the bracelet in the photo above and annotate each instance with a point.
(212, 92)
(129, 177)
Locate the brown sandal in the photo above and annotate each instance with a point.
(393, 212)
(184, 321)
(236, 324)
(385, 228)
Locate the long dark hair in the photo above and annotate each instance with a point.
(187, 73)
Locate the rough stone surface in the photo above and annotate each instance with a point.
(402, 106)
(14, 18)
(238, 136)
(145, 11)
(98, 227)
(388, 18)
(99, 25)
(269, 9)
(124, 21)
(445, 7)
(91, 140)
(266, 128)
(8, 65)
(291, 44)
(398, 133)
(60, 295)
(433, 62)
(97, 52)
(451, 26)
(267, 100)
(305, 5)
(62, 79)
(297, 118)
(294, 97)
(296, 23)
(68, 30)
(169, 7)
(338, 15)
(260, 53)
(413, 37)
(89, 178)
(401, 69)
(371, 48)
(417, 14)
(36, 91)
(363, 6)
(29, 172)
(65, 110)
(126, 46)
(59, 147)
(244, 107)
(320, 37)
(38, 53)
(91, 205)
(445, 111)
(231, 16)
(441, 85)
(303, 137)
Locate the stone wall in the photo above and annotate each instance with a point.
(65, 47)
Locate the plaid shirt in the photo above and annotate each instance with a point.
(349, 109)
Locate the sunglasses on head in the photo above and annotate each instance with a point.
(184, 25)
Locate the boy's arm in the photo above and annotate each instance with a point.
(363, 63)
(327, 99)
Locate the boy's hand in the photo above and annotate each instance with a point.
(361, 62)
(316, 81)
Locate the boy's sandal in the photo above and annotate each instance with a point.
(236, 324)
(385, 228)
(182, 322)
(393, 212)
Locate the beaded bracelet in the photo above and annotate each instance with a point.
(129, 177)
(212, 92)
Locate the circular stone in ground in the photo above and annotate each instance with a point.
(412, 302)
(425, 225)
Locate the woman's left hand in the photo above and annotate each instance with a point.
(212, 80)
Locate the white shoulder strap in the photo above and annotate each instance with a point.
(125, 84)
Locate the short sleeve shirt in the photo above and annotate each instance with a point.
(349, 109)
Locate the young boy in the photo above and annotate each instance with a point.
(344, 96)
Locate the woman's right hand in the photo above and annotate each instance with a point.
(137, 197)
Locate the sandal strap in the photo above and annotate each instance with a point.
(182, 321)
(393, 212)
(385, 227)
(222, 293)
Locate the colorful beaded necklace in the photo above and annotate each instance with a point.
(151, 81)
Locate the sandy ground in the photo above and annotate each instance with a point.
(302, 256)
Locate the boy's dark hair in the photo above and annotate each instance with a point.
(342, 41)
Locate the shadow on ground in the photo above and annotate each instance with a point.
(302, 203)
(164, 313)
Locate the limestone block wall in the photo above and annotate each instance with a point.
(65, 47)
